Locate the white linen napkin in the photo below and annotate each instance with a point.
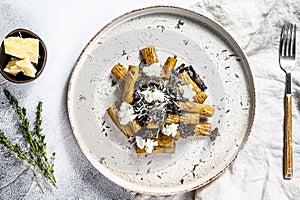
(257, 172)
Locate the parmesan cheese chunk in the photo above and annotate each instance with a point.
(12, 68)
(22, 48)
(27, 68)
(15, 66)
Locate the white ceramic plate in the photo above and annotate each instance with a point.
(198, 41)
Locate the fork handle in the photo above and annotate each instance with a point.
(288, 151)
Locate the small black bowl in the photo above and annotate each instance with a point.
(5, 58)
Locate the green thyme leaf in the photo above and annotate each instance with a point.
(113, 83)
(101, 161)
(123, 52)
(181, 181)
(179, 23)
(81, 98)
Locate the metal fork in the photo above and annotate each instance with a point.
(287, 59)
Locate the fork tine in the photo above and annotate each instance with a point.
(283, 39)
(293, 47)
(289, 40)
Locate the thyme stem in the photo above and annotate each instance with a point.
(36, 157)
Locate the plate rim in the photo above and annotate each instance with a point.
(111, 176)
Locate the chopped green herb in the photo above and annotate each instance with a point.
(227, 67)
(81, 98)
(196, 166)
(148, 171)
(101, 161)
(159, 176)
(149, 162)
(123, 53)
(162, 28)
(224, 50)
(179, 23)
(186, 42)
(113, 83)
(99, 43)
(181, 181)
(237, 76)
(227, 111)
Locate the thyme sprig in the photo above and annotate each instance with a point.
(36, 157)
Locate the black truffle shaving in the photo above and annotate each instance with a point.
(214, 134)
(172, 107)
(144, 110)
(140, 106)
(181, 68)
(185, 130)
(148, 132)
(196, 78)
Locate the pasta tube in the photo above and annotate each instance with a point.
(193, 107)
(149, 55)
(166, 144)
(203, 129)
(130, 129)
(158, 149)
(168, 67)
(119, 70)
(164, 140)
(131, 78)
(188, 118)
(200, 95)
(152, 125)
